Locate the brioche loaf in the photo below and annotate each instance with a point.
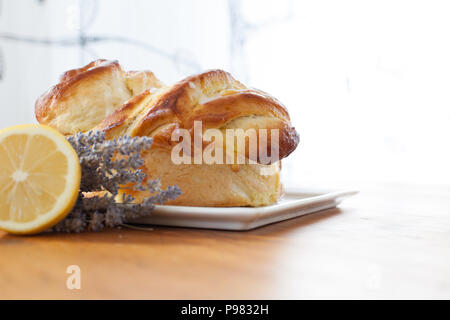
(101, 96)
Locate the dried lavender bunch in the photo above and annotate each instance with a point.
(106, 165)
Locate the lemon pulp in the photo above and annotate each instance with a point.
(39, 178)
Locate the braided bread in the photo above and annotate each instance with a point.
(85, 96)
(101, 96)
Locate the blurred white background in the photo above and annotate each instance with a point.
(367, 83)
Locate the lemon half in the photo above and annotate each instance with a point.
(40, 178)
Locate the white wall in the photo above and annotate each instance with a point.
(366, 82)
(167, 33)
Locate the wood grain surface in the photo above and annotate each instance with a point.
(388, 242)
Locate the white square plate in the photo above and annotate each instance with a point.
(295, 203)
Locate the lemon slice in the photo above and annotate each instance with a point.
(39, 178)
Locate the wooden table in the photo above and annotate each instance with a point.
(387, 242)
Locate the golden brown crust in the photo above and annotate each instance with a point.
(71, 76)
(85, 96)
(215, 98)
